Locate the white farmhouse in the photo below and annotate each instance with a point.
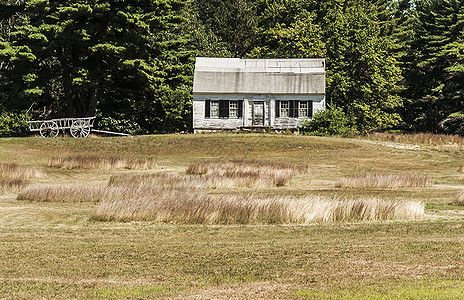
(233, 93)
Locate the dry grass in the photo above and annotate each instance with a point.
(171, 198)
(389, 181)
(52, 250)
(160, 180)
(14, 177)
(420, 138)
(197, 208)
(101, 163)
(459, 199)
(254, 174)
(72, 193)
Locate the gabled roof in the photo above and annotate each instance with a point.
(259, 76)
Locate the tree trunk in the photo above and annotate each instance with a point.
(92, 102)
(66, 77)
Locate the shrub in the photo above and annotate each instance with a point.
(332, 121)
(11, 122)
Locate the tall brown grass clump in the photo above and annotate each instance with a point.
(389, 181)
(14, 177)
(164, 180)
(459, 199)
(119, 187)
(181, 207)
(173, 198)
(431, 139)
(246, 173)
(73, 193)
(101, 163)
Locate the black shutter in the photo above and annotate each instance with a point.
(290, 109)
(310, 109)
(223, 109)
(296, 108)
(207, 108)
(277, 104)
(240, 108)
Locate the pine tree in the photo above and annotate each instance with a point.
(125, 60)
(233, 22)
(287, 29)
(434, 78)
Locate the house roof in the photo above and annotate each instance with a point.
(259, 76)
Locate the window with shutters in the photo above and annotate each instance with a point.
(284, 109)
(214, 109)
(303, 109)
(233, 109)
(223, 109)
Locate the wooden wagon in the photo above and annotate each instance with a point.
(78, 127)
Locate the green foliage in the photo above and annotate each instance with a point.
(75, 58)
(13, 123)
(390, 63)
(332, 121)
(453, 124)
(434, 72)
(120, 124)
(233, 22)
(288, 29)
(362, 75)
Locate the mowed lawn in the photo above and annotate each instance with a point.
(57, 250)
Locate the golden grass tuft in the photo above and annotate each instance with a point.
(182, 207)
(101, 163)
(14, 177)
(160, 180)
(459, 201)
(72, 193)
(254, 174)
(431, 139)
(389, 181)
(172, 198)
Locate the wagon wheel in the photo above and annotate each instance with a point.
(49, 129)
(80, 128)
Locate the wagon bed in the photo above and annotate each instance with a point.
(78, 127)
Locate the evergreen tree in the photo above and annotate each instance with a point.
(233, 22)
(287, 30)
(434, 77)
(123, 59)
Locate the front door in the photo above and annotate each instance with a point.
(258, 113)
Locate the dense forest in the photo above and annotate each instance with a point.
(391, 64)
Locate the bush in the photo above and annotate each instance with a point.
(332, 121)
(11, 122)
(119, 123)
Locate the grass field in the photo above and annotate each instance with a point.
(53, 245)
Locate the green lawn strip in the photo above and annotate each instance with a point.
(400, 289)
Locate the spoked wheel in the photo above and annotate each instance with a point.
(80, 128)
(49, 129)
